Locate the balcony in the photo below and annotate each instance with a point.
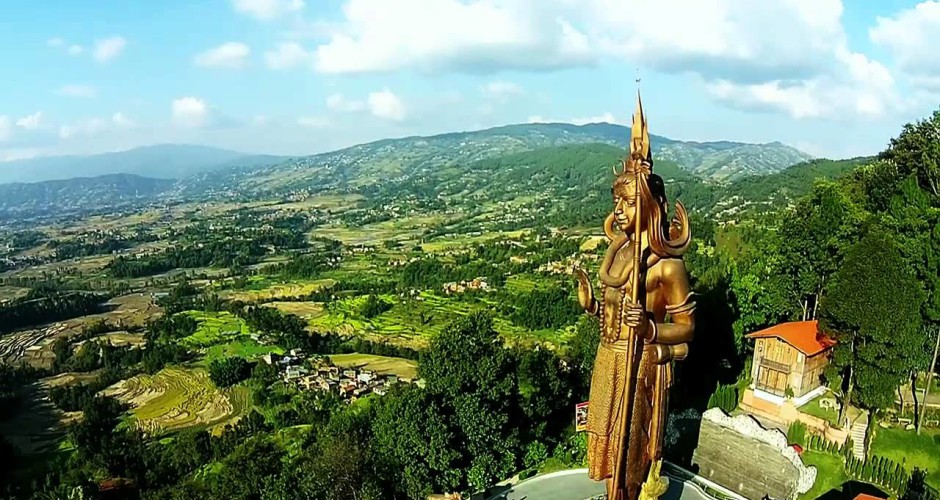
(775, 365)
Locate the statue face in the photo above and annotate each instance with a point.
(625, 205)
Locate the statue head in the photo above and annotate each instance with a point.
(636, 181)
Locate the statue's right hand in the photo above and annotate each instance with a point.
(585, 291)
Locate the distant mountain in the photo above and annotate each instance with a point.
(394, 158)
(767, 192)
(165, 161)
(83, 193)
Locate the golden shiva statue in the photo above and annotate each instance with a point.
(643, 282)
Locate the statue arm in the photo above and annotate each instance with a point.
(680, 306)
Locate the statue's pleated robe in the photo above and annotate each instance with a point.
(606, 414)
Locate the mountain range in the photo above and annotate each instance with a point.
(496, 159)
(721, 160)
(162, 161)
(387, 159)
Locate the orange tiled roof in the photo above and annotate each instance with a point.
(803, 335)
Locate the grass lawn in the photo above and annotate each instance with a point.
(813, 408)
(830, 473)
(381, 364)
(911, 450)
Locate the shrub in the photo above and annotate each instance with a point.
(724, 397)
(796, 433)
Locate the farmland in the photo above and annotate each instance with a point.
(176, 398)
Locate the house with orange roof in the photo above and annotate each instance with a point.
(789, 360)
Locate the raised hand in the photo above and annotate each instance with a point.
(585, 292)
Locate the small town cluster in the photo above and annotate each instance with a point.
(319, 373)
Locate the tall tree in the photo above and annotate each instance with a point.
(873, 308)
(916, 151)
(811, 242)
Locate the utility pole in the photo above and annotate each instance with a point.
(933, 367)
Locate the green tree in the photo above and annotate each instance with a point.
(873, 309)
(811, 241)
(916, 151)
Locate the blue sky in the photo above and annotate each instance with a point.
(834, 78)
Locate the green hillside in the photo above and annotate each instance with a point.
(412, 157)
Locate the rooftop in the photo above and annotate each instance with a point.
(802, 335)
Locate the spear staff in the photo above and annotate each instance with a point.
(625, 404)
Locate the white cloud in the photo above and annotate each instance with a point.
(86, 91)
(788, 56)
(6, 128)
(121, 121)
(502, 90)
(604, 118)
(476, 35)
(75, 50)
(30, 122)
(266, 10)
(337, 102)
(89, 127)
(96, 126)
(385, 104)
(55, 42)
(287, 55)
(864, 88)
(107, 49)
(313, 121)
(260, 120)
(912, 36)
(190, 112)
(230, 55)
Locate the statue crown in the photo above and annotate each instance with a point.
(640, 160)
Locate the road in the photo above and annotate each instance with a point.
(575, 485)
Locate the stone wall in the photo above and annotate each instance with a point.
(755, 462)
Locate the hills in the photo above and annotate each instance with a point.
(164, 161)
(77, 194)
(388, 159)
(498, 164)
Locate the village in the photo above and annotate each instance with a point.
(319, 373)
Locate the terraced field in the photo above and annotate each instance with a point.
(305, 310)
(215, 328)
(413, 322)
(176, 398)
(295, 289)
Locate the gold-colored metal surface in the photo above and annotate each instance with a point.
(643, 278)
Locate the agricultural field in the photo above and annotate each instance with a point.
(463, 241)
(38, 426)
(242, 347)
(215, 328)
(11, 292)
(260, 289)
(176, 398)
(379, 364)
(306, 310)
(122, 338)
(412, 322)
